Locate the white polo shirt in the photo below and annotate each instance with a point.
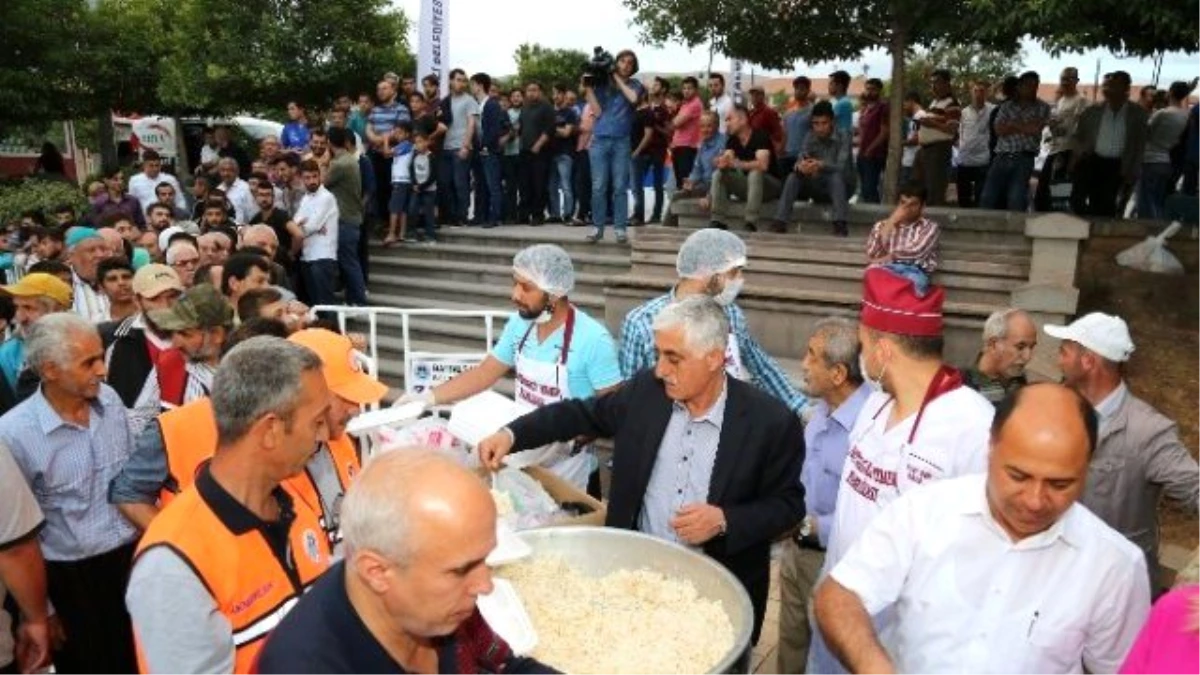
(969, 600)
(950, 440)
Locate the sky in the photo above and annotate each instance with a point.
(484, 34)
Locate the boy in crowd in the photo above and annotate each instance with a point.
(402, 156)
(906, 242)
(423, 179)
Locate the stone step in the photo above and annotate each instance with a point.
(516, 237)
(664, 255)
(389, 275)
(857, 231)
(769, 243)
(951, 218)
(387, 289)
(475, 252)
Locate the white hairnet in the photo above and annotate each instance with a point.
(548, 266)
(710, 251)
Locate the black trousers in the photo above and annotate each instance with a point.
(511, 176)
(383, 183)
(89, 597)
(583, 185)
(969, 184)
(683, 159)
(1054, 170)
(1096, 187)
(535, 176)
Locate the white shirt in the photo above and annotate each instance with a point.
(973, 136)
(317, 215)
(209, 154)
(1063, 121)
(1110, 139)
(244, 206)
(969, 600)
(88, 302)
(721, 106)
(951, 441)
(142, 187)
(927, 134)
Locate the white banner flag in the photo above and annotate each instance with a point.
(736, 78)
(433, 42)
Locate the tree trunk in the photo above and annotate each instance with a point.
(105, 138)
(891, 173)
(182, 166)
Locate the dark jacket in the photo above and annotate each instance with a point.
(493, 124)
(1136, 120)
(128, 359)
(755, 478)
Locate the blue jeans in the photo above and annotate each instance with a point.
(870, 171)
(1152, 191)
(1007, 185)
(454, 182)
(913, 273)
(640, 165)
(319, 278)
(560, 179)
(348, 263)
(420, 213)
(489, 195)
(609, 158)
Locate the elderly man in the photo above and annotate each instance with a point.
(34, 296)
(236, 190)
(203, 590)
(214, 247)
(68, 440)
(1002, 573)
(199, 323)
(700, 458)
(184, 258)
(410, 516)
(134, 346)
(1139, 456)
(833, 379)
(921, 425)
(556, 351)
(710, 263)
(85, 250)
(114, 243)
(1009, 338)
(712, 144)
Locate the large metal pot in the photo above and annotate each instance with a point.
(596, 551)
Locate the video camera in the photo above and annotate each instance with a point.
(599, 68)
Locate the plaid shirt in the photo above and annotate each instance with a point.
(637, 350)
(914, 243)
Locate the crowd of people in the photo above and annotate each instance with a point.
(182, 494)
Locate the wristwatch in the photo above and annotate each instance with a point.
(807, 527)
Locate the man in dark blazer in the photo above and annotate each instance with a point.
(1111, 138)
(700, 458)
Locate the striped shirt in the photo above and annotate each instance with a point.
(683, 467)
(914, 243)
(637, 350)
(69, 469)
(89, 303)
(384, 117)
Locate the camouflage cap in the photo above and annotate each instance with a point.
(201, 306)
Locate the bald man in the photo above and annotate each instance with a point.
(417, 529)
(1009, 338)
(998, 573)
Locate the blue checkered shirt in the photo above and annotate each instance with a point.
(69, 468)
(637, 350)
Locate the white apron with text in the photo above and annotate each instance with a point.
(733, 359)
(540, 384)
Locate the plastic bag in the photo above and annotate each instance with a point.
(1152, 255)
(427, 432)
(532, 505)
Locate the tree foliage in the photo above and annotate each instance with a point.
(967, 63)
(548, 66)
(39, 76)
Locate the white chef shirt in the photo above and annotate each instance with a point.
(969, 600)
(318, 210)
(952, 440)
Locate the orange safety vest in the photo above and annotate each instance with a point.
(253, 586)
(190, 438)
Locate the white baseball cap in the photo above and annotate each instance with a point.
(1105, 334)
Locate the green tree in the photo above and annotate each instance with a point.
(967, 63)
(40, 78)
(548, 66)
(775, 34)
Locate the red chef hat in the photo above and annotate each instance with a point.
(891, 305)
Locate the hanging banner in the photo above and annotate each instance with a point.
(433, 40)
(736, 80)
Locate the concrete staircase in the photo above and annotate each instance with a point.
(471, 269)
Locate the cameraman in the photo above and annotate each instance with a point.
(613, 102)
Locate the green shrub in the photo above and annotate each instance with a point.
(44, 195)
